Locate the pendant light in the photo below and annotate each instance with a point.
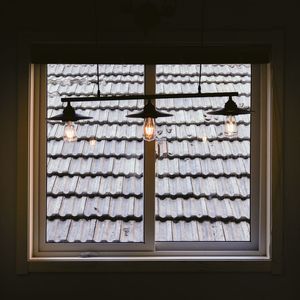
(230, 110)
(149, 114)
(69, 116)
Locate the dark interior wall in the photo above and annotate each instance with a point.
(75, 16)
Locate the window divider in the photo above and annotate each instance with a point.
(149, 168)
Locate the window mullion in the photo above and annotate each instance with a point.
(149, 169)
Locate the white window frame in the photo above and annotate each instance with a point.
(260, 196)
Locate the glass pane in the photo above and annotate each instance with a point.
(95, 184)
(203, 182)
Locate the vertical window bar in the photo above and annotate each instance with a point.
(149, 169)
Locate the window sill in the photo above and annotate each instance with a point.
(151, 264)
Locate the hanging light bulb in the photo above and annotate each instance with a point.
(70, 132)
(149, 114)
(149, 129)
(230, 129)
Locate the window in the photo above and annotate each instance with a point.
(203, 183)
(193, 192)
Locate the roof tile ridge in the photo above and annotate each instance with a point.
(202, 175)
(92, 195)
(201, 195)
(90, 155)
(101, 218)
(95, 174)
(203, 218)
(140, 139)
(204, 198)
(136, 156)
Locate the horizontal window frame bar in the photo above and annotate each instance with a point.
(96, 254)
(206, 248)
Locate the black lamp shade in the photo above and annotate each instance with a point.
(230, 109)
(69, 114)
(149, 111)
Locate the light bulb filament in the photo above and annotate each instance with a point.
(70, 132)
(149, 129)
(230, 126)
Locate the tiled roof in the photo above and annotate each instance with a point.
(95, 193)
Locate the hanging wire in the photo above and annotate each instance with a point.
(199, 83)
(97, 45)
(98, 82)
(201, 42)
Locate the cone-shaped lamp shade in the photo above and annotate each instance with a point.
(69, 114)
(149, 111)
(230, 109)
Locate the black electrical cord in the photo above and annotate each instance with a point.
(199, 84)
(97, 45)
(98, 82)
(201, 42)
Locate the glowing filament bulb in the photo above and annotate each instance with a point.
(230, 126)
(70, 132)
(149, 129)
